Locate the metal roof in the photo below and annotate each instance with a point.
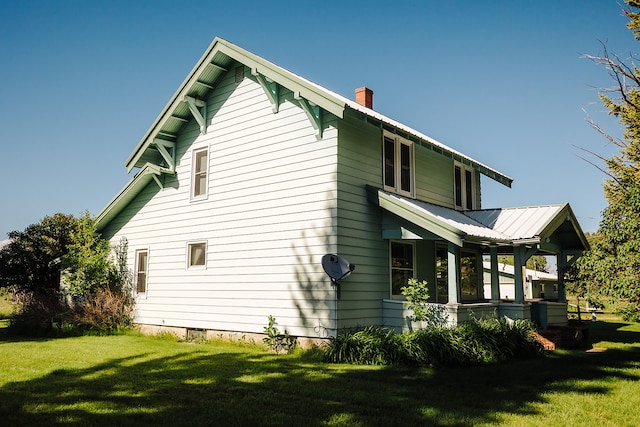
(216, 61)
(552, 227)
(510, 271)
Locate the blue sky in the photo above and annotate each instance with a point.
(502, 81)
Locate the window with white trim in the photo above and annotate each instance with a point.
(464, 184)
(196, 255)
(398, 165)
(199, 173)
(142, 262)
(470, 277)
(402, 266)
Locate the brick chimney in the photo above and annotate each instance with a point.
(364, 96)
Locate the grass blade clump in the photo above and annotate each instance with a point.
(476, 342)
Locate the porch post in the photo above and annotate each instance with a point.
(453, 285)
(562, 265)
(518, 263)
(495, 275)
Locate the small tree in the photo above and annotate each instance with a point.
(87, 265)
(417, 294)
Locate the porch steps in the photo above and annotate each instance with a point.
(546, 343)
(561, 336)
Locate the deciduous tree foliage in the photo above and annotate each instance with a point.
(612, 268)
(27, 262)
(98, 283)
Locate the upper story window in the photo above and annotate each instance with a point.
(398, 166)
(464, 183)
(199, 170)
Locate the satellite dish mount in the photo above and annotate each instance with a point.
(337, 268)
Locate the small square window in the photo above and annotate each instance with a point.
(197, 254)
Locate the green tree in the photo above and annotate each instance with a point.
(87, 264)
(613, 264)
(536, 262)
(97, 277)
(28, 262)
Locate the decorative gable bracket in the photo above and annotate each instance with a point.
(163, 147)
(270, 89)
(198, 109)
(314, 113)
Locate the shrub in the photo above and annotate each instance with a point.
(629, 312)
(417, 294)
(35, 314)
(475, 342)
(371, 345)
(276, 341)
(103, 311)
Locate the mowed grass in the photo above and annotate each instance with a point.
(6, 306)
(131, 380)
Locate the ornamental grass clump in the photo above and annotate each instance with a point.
(476, 342)
(371, 345)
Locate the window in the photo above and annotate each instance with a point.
(398, 165)
(464, 187)
(199, 174)
(197, 254)
(142, 257)
(442, 275)
(469, 277)
(402, 263)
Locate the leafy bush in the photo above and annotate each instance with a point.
(417, 294)
(474, 342)
(103, 311)
(629, 312)
(36, 313)
(276, 341)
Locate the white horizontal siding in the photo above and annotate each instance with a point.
(268, 218)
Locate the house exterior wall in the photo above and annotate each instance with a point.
(359, 222)
(267, 220)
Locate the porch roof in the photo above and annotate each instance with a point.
(552, 228)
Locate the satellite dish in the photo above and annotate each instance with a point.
(336, 267)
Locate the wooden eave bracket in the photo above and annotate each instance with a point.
(271, 90)
(163, 146)
(198, 109)
(313, 113)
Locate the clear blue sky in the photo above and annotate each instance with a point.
(501, 81)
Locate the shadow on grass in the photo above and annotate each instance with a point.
(201, 387)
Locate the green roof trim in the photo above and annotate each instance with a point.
(128, 193)
(221, 54)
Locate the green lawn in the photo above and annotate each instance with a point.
(146, 381)
(6, 307)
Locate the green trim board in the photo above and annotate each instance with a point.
(129, 192)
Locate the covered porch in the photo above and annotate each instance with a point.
(456, 242)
